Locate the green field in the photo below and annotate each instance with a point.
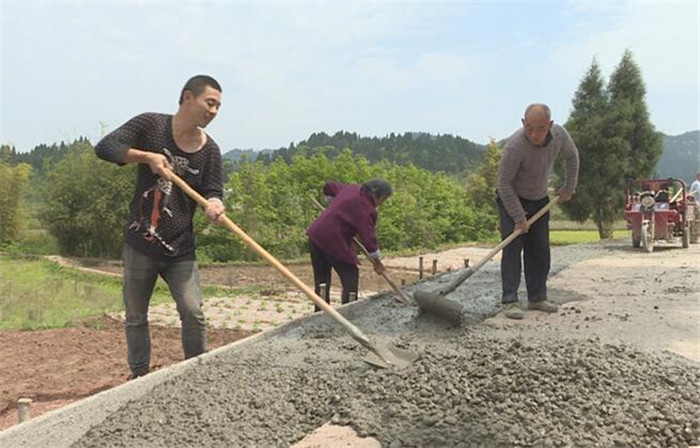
(564, 237)
(40, 294)
(35, 294)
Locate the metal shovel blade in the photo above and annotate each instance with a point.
(386, 358)
(434, 303)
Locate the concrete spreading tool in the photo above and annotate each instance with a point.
(434, 302)
(379, 356)
(400, 295)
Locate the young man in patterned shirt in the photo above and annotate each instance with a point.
(159, 233)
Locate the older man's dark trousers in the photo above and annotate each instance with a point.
(534, 247)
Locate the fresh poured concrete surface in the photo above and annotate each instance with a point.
(492, 382)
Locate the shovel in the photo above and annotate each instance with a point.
(400, 295)
(434, 302)
(380, 356)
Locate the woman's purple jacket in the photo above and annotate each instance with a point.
(351, 212)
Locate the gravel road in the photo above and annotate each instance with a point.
(570, 379)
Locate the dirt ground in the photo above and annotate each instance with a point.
(57, 367)
(403, 269)
(652, 301)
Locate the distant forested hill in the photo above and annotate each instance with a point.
(236, 155)
(446, 153)
(681, 156)
(451, 154)
(41, 157)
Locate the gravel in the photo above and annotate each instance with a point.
(474, 385)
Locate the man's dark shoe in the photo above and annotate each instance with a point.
(135, 375)
(512, 310)
(544, 305)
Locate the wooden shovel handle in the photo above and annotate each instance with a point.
(472, 270)
(516, 233)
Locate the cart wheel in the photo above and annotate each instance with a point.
(648, 236)
(686, 237)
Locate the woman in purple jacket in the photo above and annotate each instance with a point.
(352, 212)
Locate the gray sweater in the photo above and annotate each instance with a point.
(524, 168)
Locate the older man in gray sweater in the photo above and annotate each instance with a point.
(525, 164)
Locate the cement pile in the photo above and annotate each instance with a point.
(475, 390)
(473, 386)
(484, 391)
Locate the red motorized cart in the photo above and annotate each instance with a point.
(658, 210)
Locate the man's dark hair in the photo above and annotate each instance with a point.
(197, 84)
(380, 188)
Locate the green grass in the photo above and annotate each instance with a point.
(35, 241)
(564, 237)
(36, 294)
(40, 294)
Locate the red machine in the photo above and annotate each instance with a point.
(658, 210)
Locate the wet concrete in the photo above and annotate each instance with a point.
(474, 385)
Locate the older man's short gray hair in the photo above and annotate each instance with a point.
(540, 107)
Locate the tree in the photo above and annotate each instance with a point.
(615, 140)
(42, 157)
(14, 181)
(599, 166)
(271, 202)
(432, 152)
(627, 91)
(482, 183)
(7, 154)
(86, 206)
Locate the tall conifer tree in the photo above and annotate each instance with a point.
(627, 91)
(616, 141)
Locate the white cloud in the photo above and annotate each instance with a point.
(289, 69)
(664, 40)
(663, 36)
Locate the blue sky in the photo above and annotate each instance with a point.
(288, 69)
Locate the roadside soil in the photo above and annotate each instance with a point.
(57, 367)
(60, 366)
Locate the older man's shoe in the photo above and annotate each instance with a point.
(512, 310)
(544, 305)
